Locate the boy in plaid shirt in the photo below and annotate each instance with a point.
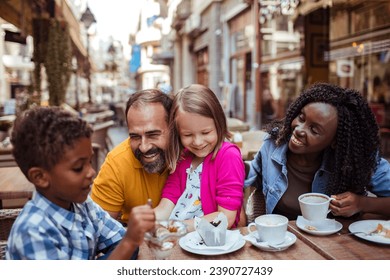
(53, 149)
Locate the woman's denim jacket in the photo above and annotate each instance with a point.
(274, 172)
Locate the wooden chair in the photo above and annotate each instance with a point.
(96, 158)
(7, 219)
(255, 204)
(100, 135)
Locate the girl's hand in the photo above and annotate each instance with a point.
(345, 204)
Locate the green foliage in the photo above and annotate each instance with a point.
(52, 49)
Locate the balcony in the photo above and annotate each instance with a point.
(183, 11)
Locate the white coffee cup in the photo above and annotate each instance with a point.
(314, 206)
(271, 228)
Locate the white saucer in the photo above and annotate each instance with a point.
(288, 241)
(325, 227)
(189, 242)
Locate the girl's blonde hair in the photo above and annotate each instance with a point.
(196, 99)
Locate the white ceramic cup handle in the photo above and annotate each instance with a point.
(249, 228)
(330, 199)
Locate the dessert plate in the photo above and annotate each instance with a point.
(325, 227)
(192, 242)
(363, 229)
(288, 241)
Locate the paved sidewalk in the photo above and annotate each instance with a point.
(117, 134)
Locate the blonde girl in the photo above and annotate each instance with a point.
(207, 172)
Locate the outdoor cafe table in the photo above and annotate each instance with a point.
(343, 246)
(307, 247)
(298, 251)
(14, 185)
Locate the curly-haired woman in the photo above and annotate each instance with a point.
(328, 143)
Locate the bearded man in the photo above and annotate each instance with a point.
(135, 170)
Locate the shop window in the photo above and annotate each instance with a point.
(266, 47)
(241, 40)
(282, 23)
(339, 24)
(241, 32)
(241, 80)
(370, 17)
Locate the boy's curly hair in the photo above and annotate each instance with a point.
(355, 155)
(40, 136)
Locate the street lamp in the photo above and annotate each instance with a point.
(87, 18)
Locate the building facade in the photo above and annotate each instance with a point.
(258, 55)
(148, 70)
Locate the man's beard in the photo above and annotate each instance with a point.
(157, 166)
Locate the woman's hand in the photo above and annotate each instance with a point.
(345, 204)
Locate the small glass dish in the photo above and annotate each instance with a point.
(164, 236)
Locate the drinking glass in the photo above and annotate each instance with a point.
(162, 239)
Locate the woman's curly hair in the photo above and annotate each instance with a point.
(355, 155)
(41, 135)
